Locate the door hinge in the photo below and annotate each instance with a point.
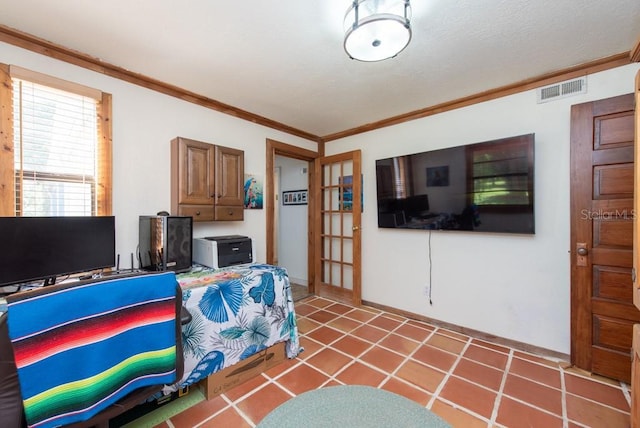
(633, 275)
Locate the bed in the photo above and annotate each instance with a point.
(237, 312)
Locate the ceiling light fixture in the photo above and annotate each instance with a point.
(377, 29)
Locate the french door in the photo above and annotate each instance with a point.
(337, 227)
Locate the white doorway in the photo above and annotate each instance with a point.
(291, 223)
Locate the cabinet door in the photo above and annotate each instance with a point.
(195, 164)
(229, 177)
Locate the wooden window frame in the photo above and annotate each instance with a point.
(104, 173)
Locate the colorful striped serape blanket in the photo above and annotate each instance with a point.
(80, 348)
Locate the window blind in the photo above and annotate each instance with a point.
(55, 144)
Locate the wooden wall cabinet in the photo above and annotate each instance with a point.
(206, 181)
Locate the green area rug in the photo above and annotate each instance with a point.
(168, 410)
(350, 406)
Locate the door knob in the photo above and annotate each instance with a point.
(354, 228)
(582, 251)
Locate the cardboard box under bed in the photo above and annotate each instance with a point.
(227, 378)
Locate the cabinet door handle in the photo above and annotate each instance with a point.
(231, 213)
(197, 212)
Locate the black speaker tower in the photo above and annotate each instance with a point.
(165, 243)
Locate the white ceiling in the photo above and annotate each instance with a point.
(284, 60)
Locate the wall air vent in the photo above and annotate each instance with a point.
(562, 90)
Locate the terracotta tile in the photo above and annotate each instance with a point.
(246, 387)
(304, 309)
(469, 396)
(344, 324)
(490, 345)
(486, 356)
(420, 375)
(456, 416)
(309, 346)
(339, 308)
(407, 390)
(301, 379)
(514, 414)
(530, 393)
(325, 335)
(199, 412)
(351, 345)
(454, 334)
(372, 334)
(537, 372)
(383, 359)
(162, 424)
(320, 302)
(592, 376)
(322, 316)
(359, 374)
(396, 317)
(412, 332)
(384, 323)
(305, 325)
(329, 361)
(370, 309)
(260, 403)
(593, 414)
(538, 359)
(421, 324)
(399, 344)
(538, 395)
(478, 373)
(434, 357)
(360, 315)
(227, 418)
(596, 391)
(276, 371)
(447, 343)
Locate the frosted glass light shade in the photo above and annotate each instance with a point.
(377, 29)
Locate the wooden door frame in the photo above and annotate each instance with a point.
(277, 148)
(636, 201)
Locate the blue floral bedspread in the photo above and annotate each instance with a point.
(237, 311)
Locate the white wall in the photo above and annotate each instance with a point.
(512, 286)
(293, 222)
(144, 122)
(517, 287)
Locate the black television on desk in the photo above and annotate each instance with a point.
(481, 187)
(44, 248)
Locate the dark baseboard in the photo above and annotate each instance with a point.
(521, 346)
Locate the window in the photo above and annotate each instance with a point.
(61, 148)
(502, 173)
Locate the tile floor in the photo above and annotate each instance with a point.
(469, 382)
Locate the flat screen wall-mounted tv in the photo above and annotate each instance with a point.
(44, 248)
(481, 187)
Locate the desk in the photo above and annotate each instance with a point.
(237, 312)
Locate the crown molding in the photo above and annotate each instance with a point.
(53, 50)
(602, 64)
